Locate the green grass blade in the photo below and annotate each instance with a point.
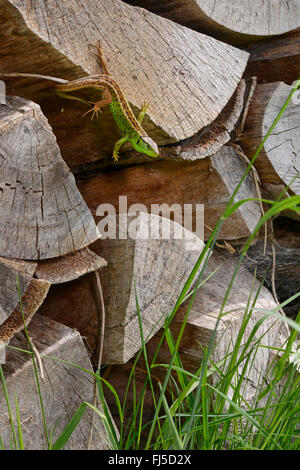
(68, 430)
(8, 407)
(176, 440)
(20, 435)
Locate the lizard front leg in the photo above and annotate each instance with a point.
(142, 113)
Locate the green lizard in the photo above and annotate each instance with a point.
(120, 109)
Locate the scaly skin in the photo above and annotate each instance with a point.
(120, 109)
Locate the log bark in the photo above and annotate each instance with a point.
(15, 278)
(203, 82)
(279, 160)
(22, 314)
(41, 211)
(209, 181)
(275, 60)
(230, 20)
(65, 388)
(69, 267)
(203, 318)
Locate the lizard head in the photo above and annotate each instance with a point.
(146, 145)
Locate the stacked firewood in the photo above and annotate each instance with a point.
(215, 75)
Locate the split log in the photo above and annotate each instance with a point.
(64, 389)
(203, 318)
(230, 20)
(41, 211)
(209, 181)
(203, 71)
(146, 272)
(279, 161)
(275, 60)
(156, 268)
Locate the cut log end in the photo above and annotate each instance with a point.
(42, 214)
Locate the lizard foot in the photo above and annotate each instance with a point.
(95, 110)
(115, 157)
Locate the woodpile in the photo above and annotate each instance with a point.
(215, 75)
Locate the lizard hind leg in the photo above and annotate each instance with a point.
(98, 105)
(100, 56)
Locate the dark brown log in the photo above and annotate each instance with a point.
(186, 77)
(75, 305)
(286, 263)
(65, 388)
(229, 20)
(277, 59)
(209, 181)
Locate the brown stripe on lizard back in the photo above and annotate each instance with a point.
(102, 81)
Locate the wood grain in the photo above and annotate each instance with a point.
(41, 211)
(230, 20)
(65, 388)
(186, 77)
(279, 160)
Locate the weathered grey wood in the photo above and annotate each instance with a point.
(42, 213)
(69, 267)
(279, 160)
(186, 77)
(203, 317)
(209, 181)
(155, 269)
(32, 298)
(232, 20)
(65, 388)
(158, 268)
